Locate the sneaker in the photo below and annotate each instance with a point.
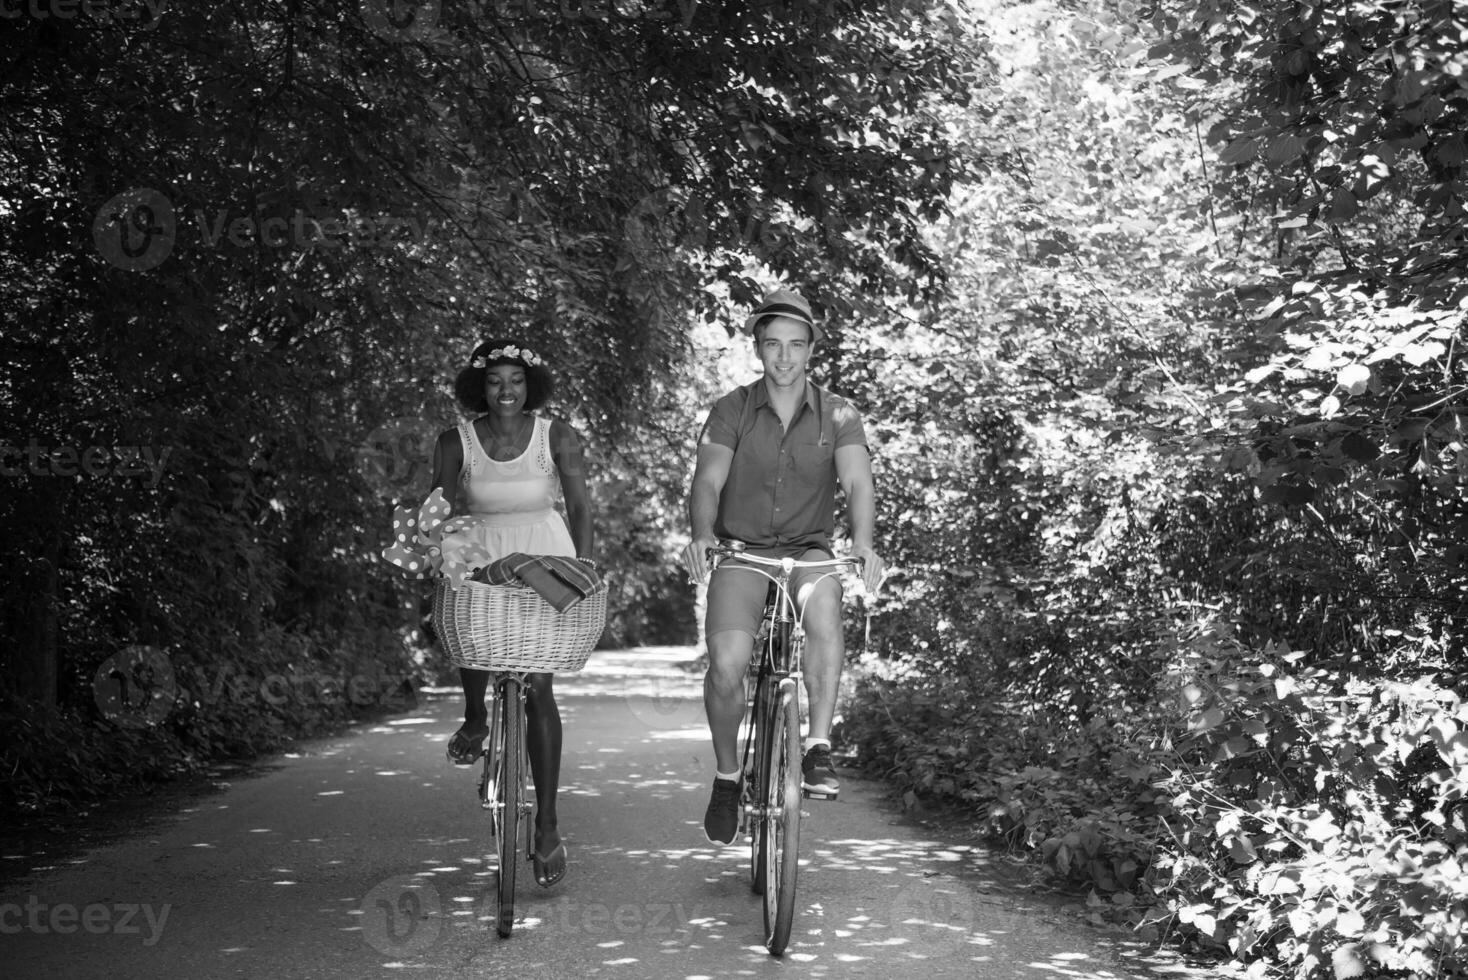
(817, 775)
(721, 819)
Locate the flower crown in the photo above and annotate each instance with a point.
(521, 353)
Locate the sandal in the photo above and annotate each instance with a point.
(542, 877)
(464, 747)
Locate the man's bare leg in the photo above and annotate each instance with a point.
(724, 693)
(825, 653)
(723, 701)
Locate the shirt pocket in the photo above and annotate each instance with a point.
(812, 463)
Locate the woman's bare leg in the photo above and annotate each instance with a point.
(543, 724)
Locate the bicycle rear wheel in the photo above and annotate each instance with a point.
(509, 802)
(782, 819)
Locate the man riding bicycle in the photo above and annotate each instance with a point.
(770, 457)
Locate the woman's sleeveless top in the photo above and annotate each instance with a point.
(519, 490)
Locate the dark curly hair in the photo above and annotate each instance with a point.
(540, 385)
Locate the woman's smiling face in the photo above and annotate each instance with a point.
(504, 389)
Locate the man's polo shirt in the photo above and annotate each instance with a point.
(781, 490)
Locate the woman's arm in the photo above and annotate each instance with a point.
(571, 465)
(448, 459)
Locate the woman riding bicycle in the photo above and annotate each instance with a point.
(502, 471)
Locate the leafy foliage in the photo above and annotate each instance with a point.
(1158, 455)
(1324, 816)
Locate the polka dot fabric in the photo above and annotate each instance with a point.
(416, 535)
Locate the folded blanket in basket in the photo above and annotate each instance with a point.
(562, 582)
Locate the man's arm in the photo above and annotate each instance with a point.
(854, 470)
(709, 476)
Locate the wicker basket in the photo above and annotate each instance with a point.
(510, 627)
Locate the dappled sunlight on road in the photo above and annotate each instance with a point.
(367, 852)
(633, 787)
(900, 910)
(882, 906)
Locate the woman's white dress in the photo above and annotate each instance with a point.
(503, 507)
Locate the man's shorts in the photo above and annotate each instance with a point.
(736, 597)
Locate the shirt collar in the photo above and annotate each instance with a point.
(812, 395)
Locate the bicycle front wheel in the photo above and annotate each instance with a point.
(757, 781)
(509, 802)
(782, 819)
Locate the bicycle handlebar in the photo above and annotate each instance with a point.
(720, 552)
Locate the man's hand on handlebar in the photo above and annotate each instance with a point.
(695, 558)
(873, 569)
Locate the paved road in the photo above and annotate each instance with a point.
(364, 855)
